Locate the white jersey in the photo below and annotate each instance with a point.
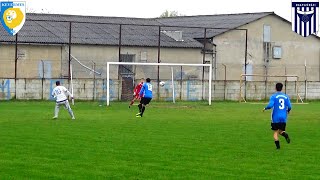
(60, 93)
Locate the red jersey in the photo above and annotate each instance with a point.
(137, 89)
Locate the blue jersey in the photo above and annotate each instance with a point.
(280, 105)
(146, 90)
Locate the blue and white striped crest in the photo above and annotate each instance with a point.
(305, 17)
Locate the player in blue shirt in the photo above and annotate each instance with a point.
(281, 106)
(146, 96)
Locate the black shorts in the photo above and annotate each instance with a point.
(145, 101)
(280, 126)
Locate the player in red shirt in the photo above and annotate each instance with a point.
(136, 91)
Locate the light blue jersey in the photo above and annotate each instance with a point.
(146, 90)
(280, 105)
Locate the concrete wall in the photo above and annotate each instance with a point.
(87, 89)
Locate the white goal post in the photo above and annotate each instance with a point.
(156, 64)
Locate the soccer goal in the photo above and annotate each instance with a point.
(79, 70)
(180, 81)
(262, 89)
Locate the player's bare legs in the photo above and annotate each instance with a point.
(132, 101)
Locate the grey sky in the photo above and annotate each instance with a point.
(150, 9)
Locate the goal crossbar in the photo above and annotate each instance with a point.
(155, 64)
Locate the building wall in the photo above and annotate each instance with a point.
(55, 60)
(230, 51)
(7, 62)
(30, 60)
(296, 50)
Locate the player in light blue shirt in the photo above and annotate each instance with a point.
(281, 106)
(146, 96)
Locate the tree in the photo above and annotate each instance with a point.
(42, 11)
(167, 14)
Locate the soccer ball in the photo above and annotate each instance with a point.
(162, 83)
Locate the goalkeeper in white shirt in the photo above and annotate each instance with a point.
(60, 93)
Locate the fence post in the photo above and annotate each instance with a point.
(42, 79)
(305, 81)
(225, 82)
(94, 80)
(181, 83)
(159, 60)
(15, 66)
(203, 60)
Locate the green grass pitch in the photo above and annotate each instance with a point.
(184, 141)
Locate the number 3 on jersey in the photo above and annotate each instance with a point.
(281, 101)
(149, 87)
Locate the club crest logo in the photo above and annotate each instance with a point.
(13, 16)
(305, 17)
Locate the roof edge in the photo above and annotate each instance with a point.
(230, 14)
(88, 16)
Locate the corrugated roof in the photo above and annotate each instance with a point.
(54, 29)
(224, 21)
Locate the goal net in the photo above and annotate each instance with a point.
(85, 75)
(182, 82)
(261, 87)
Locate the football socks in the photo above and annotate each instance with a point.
(140, 107)
(286, 135)
(277, 144)
(142, 111)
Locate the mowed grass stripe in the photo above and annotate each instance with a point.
(188, 140)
